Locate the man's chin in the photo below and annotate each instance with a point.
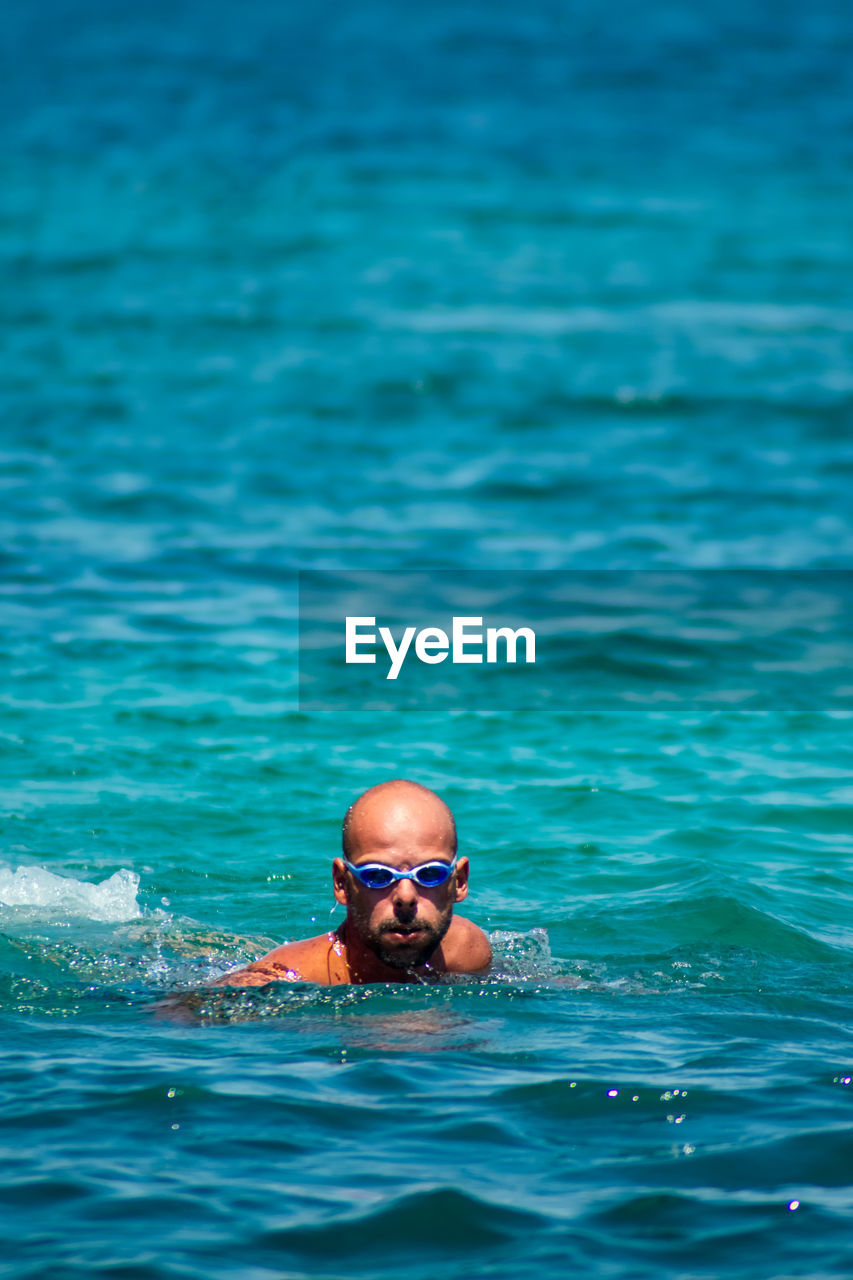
(406, 951)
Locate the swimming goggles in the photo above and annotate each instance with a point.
(375, 875)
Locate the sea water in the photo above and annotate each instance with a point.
(536, 311)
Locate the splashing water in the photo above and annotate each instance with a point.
(49, 896)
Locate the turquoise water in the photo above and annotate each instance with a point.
(531, 313)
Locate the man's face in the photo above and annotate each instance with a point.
(403, 924)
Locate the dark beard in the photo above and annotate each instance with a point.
(431, 939)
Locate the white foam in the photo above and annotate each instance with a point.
(522, 955)
(62, 897)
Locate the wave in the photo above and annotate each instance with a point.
(405, 1223)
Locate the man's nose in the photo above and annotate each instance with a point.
(405, 894)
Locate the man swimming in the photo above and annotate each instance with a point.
(399, 878)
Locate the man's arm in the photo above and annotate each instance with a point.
(306, 961)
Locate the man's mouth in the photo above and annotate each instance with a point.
(404, 945)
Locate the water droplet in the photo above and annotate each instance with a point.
(793, 1204)
(613, 1093)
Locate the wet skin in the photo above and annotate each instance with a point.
(404, 933)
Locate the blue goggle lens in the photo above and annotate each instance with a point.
(433, 873)
(375, 877)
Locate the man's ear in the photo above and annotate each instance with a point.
(461, 879)
(339, 881)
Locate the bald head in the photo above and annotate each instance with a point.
(394, 805)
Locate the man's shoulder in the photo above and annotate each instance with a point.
(303, 961)
(465, 947)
